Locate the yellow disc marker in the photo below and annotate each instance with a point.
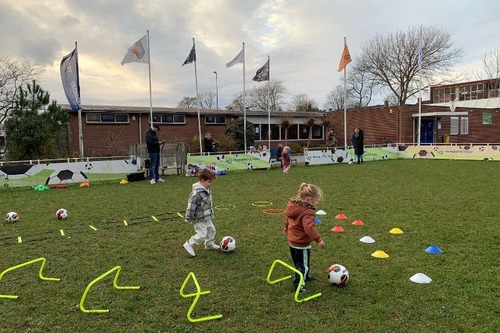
(19, 240)
(154, 218)
(93, 228)
(61, 232)
(396, 231)
(125, 223)
(380, 254)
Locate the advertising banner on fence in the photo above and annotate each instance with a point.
(222, 163)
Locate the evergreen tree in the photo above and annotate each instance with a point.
(236, 131)
(32, 128)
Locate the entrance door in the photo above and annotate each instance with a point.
(427, 131)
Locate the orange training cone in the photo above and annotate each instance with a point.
(358, 223)
(340, 217)
(338, 228)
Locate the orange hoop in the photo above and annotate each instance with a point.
(274, 211)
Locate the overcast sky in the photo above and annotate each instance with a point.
(303, 38)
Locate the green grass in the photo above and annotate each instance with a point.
(451, 204)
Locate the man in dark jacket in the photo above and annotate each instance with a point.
(153, 145)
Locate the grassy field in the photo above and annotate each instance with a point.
(451, 204)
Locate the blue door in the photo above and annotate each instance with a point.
(427, 131)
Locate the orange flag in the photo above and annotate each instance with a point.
(346, 58)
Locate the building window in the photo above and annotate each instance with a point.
(303, 132)
(317, 132)
(215, 120)
(173, 119)
(256, 131)
(454, 126)
(464, 125)
(107, 118)
(275, 132)
(292, 132)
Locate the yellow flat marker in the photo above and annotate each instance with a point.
(125, 223)
(19, 240)
(180, 215)
(154, 218)
(61, 232)
(93, 228)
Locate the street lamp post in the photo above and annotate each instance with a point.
(216, 91)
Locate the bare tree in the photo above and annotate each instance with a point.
(302, 102)
(238, 103)
(490, 65)
(188, 103)
(361, 87)
(286, 122)
(393, 61)
(335, 99)
(13, 75)
(309, 121)
(207, 100)
(267, 97)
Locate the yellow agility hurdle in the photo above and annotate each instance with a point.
(287, 277)
(43, 260)
(115, 285)
(196, 298)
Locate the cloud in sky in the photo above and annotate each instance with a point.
(303, 38)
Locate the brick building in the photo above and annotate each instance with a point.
(460, 113)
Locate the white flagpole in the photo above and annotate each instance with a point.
(80, 129)
(197, 97)
(345, 101)
(269, 109)
(150, 94)
(420, 46)
(244, 107)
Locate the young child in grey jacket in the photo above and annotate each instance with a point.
(200, 213)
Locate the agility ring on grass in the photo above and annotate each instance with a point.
(225, 207)
(262, 203)
(274, 211)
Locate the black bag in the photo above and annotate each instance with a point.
(136, 176)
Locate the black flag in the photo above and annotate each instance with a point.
(191, 57)
(262, 73)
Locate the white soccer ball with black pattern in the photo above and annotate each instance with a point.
(61, 214)
(337, 275)
(11, 217)
(228, 244)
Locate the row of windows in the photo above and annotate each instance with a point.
(466, 92)
(295, 132)
(157, 118)
(299, 131)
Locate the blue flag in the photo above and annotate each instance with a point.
(70, 79)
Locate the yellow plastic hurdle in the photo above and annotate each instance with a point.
(196, 295)
(43, 260)
(289, 276)
(115, 285)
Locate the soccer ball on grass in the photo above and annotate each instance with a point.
(11, 217)
(228, 244)
(337, 275)
(61, 214)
